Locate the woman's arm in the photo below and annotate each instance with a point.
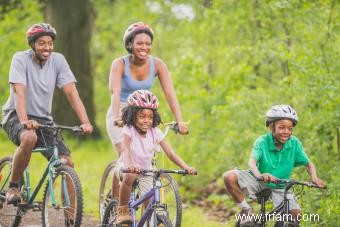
(115, 79)
(170, 94)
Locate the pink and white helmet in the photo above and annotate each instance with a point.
(143, 99)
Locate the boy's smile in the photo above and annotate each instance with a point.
(282, 130)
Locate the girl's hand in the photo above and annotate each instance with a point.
(191, 170)
(134, 169)
(183, 128)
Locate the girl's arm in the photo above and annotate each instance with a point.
(126, 150)
(115, 79)
(170, 94)
(174, 157)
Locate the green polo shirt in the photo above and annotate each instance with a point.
(279, 163)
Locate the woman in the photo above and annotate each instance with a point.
(136, 71)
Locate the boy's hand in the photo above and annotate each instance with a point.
(268, 177)
(318, 182)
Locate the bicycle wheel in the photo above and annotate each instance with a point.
(105, 188)
(170, 196)
(110, 214)
(9, 215)
(64, 205)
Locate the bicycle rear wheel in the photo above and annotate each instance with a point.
(9, 215)
(64, 205)
(170, 196)
(105, 188)
(110, 214)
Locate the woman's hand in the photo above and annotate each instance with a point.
(183, 128)
(118, 122)
(191, 170)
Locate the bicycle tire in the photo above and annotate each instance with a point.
(171, 197)
(105, 188)
(9, 215)
(59, 213)
(110, 213)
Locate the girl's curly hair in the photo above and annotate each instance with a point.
(129, 116)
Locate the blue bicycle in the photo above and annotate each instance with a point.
(156, 213)
(62, 203)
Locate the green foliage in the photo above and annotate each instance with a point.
(229, 64)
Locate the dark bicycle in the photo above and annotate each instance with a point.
(155, 214)
(282, 210)
(62, 203)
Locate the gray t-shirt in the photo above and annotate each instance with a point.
(39, 81)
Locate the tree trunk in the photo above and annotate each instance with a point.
(73, 22)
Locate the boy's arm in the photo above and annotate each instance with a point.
(174, 157)
(312, 172)
(266, 176)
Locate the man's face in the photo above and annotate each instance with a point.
(283, 130)
(43, 48)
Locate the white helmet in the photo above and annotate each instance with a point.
(279, 112)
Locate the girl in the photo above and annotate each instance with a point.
(139, 137)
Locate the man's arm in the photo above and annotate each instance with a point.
(72, 95)
(20, 106)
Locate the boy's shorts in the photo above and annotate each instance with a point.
(250, 186)
(14, 128)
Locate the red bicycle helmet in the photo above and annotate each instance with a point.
(133, 30)
(143, 99)
(37, 30)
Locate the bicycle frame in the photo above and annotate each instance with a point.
(154, 194)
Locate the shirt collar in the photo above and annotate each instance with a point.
(287, 145)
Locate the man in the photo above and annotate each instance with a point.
(274, 155)
(33, 76)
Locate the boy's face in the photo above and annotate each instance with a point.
(283, 130)
(144, 119)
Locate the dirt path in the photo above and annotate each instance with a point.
(33, 219)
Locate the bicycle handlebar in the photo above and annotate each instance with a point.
(56, 127)
(292, 182)
(156, 171)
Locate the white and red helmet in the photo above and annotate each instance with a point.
(143, 99)
(133, 30)
(37, 30)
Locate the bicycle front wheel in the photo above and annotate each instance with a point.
(9, 215)
(110, 214)
(105, 188)
(160, 218)
(170, 196)
(63, 200)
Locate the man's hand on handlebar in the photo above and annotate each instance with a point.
(30, 124)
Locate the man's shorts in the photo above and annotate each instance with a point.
(250, 186)
(14, 128)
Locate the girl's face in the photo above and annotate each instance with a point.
(283, 130)
(144, 120)
(141, 45)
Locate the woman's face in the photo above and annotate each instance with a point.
(144, 120)
(141, 45)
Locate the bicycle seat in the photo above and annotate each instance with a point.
(263, 194)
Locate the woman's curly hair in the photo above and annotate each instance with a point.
(129, 116)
